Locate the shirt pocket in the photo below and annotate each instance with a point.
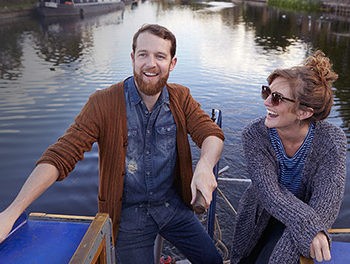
(134, 142)
(166, 138)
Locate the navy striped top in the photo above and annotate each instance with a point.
(290, 169)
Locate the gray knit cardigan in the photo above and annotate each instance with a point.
(312, 210)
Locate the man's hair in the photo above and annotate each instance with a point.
(159, 31)
(311, 84)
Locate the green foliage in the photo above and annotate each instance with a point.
(298, 5)
(16, 4)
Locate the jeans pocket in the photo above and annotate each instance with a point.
(131, 219)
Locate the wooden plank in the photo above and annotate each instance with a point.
(101, 253)
(339, 230)
(304, 260)
(58, 216)
(88, 243)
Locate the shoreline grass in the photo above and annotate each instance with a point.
(12, 5)
(297, 5)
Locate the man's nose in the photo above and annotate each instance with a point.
(151, 62)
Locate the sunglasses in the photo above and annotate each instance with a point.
(276, 98)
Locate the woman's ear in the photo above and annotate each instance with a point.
(305, 113)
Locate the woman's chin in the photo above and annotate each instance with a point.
(270, 122)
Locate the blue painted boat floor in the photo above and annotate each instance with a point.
(43, 242)
(339, 252)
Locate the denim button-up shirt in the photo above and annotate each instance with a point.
(151, 151)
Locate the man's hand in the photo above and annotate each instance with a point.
(41, 178)
(6, 223)
(319, 248)
(204, 181)
(203, 178)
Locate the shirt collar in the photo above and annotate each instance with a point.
(135, 97)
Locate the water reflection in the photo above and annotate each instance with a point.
(11, 46)
(277, 31)
(333, 37)
(274, 30)
(65, 40)
(49, 68)
(57, 41)
(62, 41)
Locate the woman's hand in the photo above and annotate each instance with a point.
(319, 248)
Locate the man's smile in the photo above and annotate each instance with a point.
(150, 74)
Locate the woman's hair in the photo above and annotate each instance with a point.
(311, 84)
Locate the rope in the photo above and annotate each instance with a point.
(220, 245)
(226, 200)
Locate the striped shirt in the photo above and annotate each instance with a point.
(290, 169)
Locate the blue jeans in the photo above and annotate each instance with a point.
(135, 242)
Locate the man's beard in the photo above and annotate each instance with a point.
(149, 88)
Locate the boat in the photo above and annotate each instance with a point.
(59, 8)
(56, 239)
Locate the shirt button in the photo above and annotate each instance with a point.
(147, 152)
(150, 193)
(148, 173)
(148, 131)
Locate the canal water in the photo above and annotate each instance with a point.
(48, 68)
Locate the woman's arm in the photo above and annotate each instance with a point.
(304, 221)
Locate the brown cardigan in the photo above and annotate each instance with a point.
(103, 120)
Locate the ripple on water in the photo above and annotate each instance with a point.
(224, 56)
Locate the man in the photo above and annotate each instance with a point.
(145, 168)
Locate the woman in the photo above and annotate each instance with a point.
(296, 162)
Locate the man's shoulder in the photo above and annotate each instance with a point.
(113, 89)
(177, 89)
(111, 92)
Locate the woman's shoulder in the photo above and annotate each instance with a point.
(327, 129)
(329, 134)
(255, 126)
(256, 129)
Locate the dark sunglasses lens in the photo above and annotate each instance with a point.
(275, 99)
(265, 92)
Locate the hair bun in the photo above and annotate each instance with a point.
(323, 67)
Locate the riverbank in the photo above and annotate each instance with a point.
(25, 9)
(330, 10)
(11, 14)
(340, 7)
(16, 8)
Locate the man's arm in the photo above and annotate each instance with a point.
(203, 177)
(41, 178)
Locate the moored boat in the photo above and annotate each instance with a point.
(55, 8)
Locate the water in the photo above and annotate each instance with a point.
(225, 52)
